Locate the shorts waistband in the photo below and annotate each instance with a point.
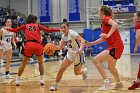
(32, 41)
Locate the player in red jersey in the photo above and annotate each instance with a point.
(33, 45)
(136, 83)
(111, 35)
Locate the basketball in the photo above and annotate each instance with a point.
(49, 49)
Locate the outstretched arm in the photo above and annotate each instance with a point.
(60, 46)
(22, 27)
(100, 40)
(49, 29)
(79, 38)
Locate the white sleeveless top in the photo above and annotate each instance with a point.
(7, 35)
(70, 40)
(6, 39)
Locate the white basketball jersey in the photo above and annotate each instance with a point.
(7, 35)
(70, 40)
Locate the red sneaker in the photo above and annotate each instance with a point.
(134, 86)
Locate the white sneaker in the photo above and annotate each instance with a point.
(53, 87)
(118, 85)
(1, 62)
(8, 76)
(105, 86)
(42, 82)
(17, 81)
(85, 74)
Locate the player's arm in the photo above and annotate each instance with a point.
(114, 26)
(41, 27)
(137, 40)
(79, 38)
(22, 27)
(61, 45)
(1, 32)
(100, 40)
(13, 40)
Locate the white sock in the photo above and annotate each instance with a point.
(41, 77)
(18, 77)
(55, 83)
(106, 81)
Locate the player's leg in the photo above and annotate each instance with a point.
(21, 68)
(78, 64)
(114, 71)
(38, 50)
(8, 55)
(64, 65)
(41, 69)
(103, 56)
(138, 76)
(1, 55)
(136, 83)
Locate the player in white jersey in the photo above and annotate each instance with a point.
(5, 45)
(75, 44)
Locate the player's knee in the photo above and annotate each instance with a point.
(40, 63)
(111, 68)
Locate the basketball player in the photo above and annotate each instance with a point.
(75, 44)
(33, 45)
(110, 34)
(6, 47)
(136, 83)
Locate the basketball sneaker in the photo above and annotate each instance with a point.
(8, 76)
(53, 87)
(1, 62)
(134, 86)
(85, 73)
(17, 81)
(42, 82)
(118, 85)
(106, 86)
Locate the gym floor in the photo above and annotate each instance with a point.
(70, 83)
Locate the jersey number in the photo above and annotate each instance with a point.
(8, 40)
(32, 28)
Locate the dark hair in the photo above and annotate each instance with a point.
(65, 22)
(31, 19)
(7, 19)
(35, 17)
(138, 13)
(107, 11)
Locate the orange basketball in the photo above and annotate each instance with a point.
(49, 49)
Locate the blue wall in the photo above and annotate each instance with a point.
(92, 35)
(133, 40)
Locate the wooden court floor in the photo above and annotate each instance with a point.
(127, 67)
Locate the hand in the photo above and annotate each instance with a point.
(135, 50)
(103, 35)
(79, 51)
(87, 44)
(15, 46)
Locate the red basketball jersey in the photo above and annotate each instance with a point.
(32, 32)
(115, 39)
